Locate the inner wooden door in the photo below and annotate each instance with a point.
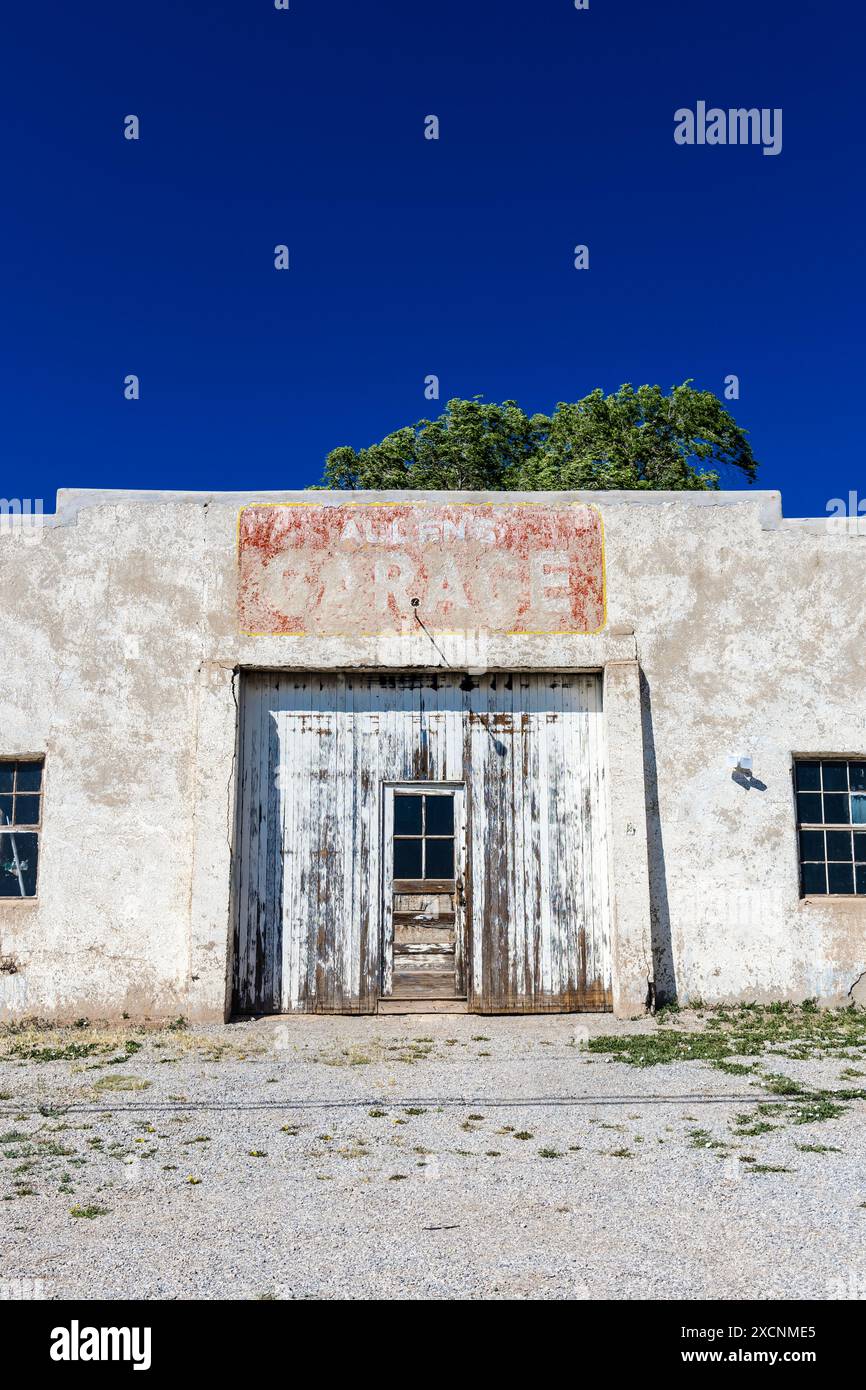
(424, 863)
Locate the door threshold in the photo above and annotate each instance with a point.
(422, 1006)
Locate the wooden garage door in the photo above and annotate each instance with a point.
(316, 755)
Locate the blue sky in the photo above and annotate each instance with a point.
(408, 256)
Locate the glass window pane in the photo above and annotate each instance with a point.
(7, 771)
(27, 810)
(860, 846)
(29, 777)
(5, 810)
(407, 815)
(809, 808)
(812, 844)
(858, 810)
(440, 859)
(835, 777)
(836, 809)
(440, 815)
(857, 774)
(808, 777)
(860, 871)
(839, 844)
(840, 878)
(407, 858)
(814, 878)
(18, 861)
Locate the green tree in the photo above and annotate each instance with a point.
(640, 438)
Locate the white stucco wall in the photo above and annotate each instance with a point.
(120, 637)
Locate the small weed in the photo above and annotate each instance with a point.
(549, 1153)
(258, 1153)
(701, 1139)
(524, 1134)
(88, 1213)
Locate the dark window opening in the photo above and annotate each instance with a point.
(20, 819)
(831, 825)
(423, 835)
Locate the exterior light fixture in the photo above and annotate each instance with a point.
(741, 763)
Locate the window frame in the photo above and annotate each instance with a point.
(30, 827)
(423, 793)
(850, 827)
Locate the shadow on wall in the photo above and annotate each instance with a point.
(660, 919)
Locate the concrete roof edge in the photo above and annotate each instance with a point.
(71, 501)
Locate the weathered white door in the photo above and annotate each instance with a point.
(423, 870)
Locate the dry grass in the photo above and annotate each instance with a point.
(102, 1044)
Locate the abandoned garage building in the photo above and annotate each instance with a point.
(407, 752)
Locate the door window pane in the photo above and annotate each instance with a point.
(407, 815)
(407, 858)
(440, 815)
(440, 858)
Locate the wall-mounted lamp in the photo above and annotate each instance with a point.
(741, 763)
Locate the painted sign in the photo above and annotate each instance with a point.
(377, 569)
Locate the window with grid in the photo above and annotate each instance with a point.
(423, 835)
(831, 825)
(20, 820)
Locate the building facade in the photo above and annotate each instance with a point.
(400, 752)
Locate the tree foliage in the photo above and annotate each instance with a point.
(633, 438)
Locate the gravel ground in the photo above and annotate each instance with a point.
(435, 1157)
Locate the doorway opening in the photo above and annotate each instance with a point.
(423, 947)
